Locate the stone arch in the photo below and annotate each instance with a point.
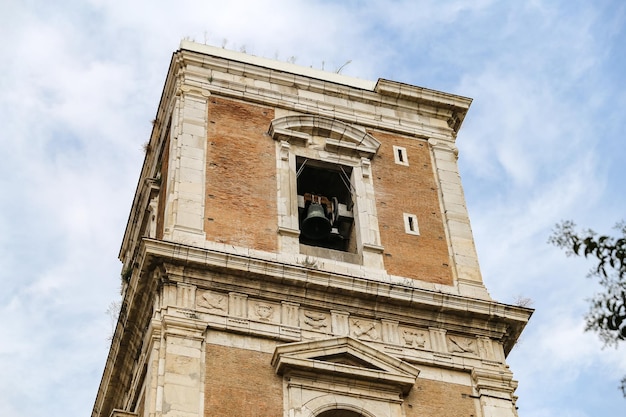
(340, 137)
(339, 412)
(333, 405)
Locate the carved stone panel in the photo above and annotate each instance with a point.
(340, 324)
(459, 344)
(212, 302)
(390, 331)
(185, 295)
(414, 338)
(438, 340)
(264, 311)
(365, 329)
(315, 320)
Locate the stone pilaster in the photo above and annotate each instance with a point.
(180, 386)
(457, 223)
(495, 391)
(365, 217)
(287, 206)
(340, 325)
(184, 212)
(153, 374)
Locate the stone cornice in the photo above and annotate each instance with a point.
(510, 320)
(384, 105)
(276, 65)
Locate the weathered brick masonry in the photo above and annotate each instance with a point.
(410, 189)
(240, 175)
(241, 383)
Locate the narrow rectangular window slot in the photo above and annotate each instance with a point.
(410, 224)
(400, 155)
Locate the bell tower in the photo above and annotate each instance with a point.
(299, 246)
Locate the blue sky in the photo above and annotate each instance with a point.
(543, 141)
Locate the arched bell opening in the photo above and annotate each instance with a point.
(340, 413)
(325, 202)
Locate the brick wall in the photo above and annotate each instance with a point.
(241, 191)
(241, 383)
(241, 175)
(410, 189)
(435, 399)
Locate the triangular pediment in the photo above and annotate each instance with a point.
(344, 357)
(347, 359)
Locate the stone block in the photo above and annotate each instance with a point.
(188, 174)
(196, 128)
(195, 112)
(190, 140)
(193, 152)
(449, 176)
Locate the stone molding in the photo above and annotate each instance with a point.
(339, 137)
(377, 366)
(342, 373)
(122, 413)
(387, 105)
(323, 139)
(505, 321)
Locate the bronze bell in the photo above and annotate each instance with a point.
(316, 225)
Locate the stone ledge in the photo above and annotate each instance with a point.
(376, 285)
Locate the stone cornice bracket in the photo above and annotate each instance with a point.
(444, 146)
(340, 137)
(186, 89)
(456, 106)
(497, 384)
(184, 327)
